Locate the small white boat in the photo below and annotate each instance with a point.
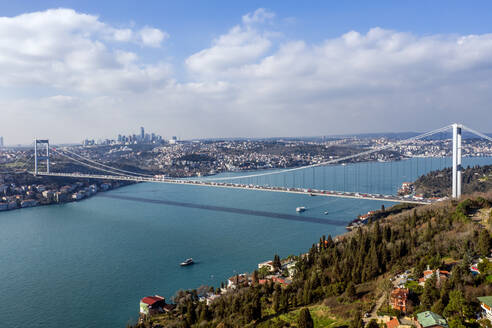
(300, 209)
(187, 262)
(326, 212)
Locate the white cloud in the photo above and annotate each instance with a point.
(260, 15)
(123, 35)
(152, 37)
(61, 48)
(243, 44)
(358, 82)
(249, 82)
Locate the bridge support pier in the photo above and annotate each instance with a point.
(43, 157)
(457, 178)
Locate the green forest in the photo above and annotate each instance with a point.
(438, 183)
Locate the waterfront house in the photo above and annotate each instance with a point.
(151, 305)
(236, 280)
(282, 281)
(486, 305)
(430, 319)
(209, 298)
(48, 194)
(399, 299)
(78, 195)
(4, 206)
(29, 203)
(290, 266)
(61, 196)
(268, 264)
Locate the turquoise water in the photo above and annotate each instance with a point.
(87, 264)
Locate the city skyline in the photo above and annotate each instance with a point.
(73, 70)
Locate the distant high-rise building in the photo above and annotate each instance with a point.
(1, 141)
(142, 133)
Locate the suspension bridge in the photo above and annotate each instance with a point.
(276, 180)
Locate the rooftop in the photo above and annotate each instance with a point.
(150, 300)
(487, 300)
(428, 319)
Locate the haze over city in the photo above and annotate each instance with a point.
(72, 70)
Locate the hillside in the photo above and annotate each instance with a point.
(438, 183)
(346, 277)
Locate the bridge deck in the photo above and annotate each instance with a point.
(304, 191)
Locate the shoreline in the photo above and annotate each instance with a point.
(82, 194)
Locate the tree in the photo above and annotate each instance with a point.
(204, 313)
(484, 243)
(276, 301)
(276, 263)
(284, 302)
(387, 288)
(431, 293)
(350, 291)
(458, 306)
(373, 324)
(356, 321)
(305, 320)
(456, 323)
(254, 278)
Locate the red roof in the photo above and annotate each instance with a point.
(151, 300)
(393, 323)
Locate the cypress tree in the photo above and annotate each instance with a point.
(484, 242)
(305, 320)
(276, 301)
(276, 262)
(350, 291)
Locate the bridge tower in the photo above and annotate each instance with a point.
(45, 157)
(457, 179)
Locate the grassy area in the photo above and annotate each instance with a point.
(321, 314)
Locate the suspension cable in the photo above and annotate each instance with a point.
(477, 133)
(107, 166)
(368, 152)
(89, 165)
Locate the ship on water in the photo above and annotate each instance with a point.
(187, 262)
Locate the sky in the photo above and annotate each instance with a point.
(71, 70)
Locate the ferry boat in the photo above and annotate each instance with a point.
(187, 262)
(300, 209)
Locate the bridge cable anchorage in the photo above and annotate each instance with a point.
(107, 166)
(368, 152)
(89, 165)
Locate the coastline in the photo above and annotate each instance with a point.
(76, 192)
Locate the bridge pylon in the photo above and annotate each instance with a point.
(457, 178)
(45, 157)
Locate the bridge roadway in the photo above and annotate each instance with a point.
(304, 191)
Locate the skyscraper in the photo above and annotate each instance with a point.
(1, 141)
(142, 133)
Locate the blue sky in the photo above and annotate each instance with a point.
(348, 65)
